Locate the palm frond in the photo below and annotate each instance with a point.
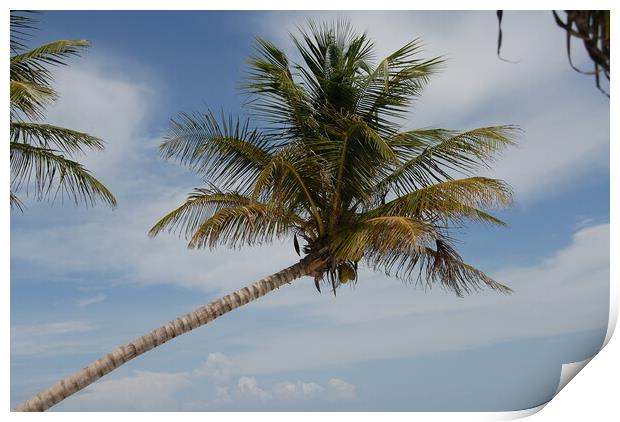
(16, 202)
(30, 99)
(200, 205)
(277, 98)
(453, 200)
(53, 176)
(251, 224)
(444, 266)
(334, 55)
(424, 265)
(32, 65)
(31, 77)
(22, 23)
(229, 153)
(388, 91)
(38, 161)
(382, 235)
(430, 156)
(295, 182)
(354, 154)
(53, 137)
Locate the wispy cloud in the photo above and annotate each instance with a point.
(341, 389)
(53, 338)
(297, 390)
(91, 300)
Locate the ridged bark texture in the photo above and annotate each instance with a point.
(201, 316)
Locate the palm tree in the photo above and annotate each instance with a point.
(39, 152)
(332, 169)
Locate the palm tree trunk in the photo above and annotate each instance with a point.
(201, 316)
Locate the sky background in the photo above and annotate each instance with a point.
(84, 281)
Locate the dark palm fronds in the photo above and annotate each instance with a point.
(590, 26)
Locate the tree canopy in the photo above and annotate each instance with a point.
(326, 159)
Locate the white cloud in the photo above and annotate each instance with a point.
(556, 149)
(297, 391)
(200, 389)
(118, 244)
(217, 367)
(53, 328)
(91, 300)
(111, 99)
(222, 397)
(341, 389)
(249, 386)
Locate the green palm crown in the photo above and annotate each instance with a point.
(331, 165)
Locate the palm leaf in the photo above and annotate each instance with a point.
(30, 99)
(430, 156)
(453, 200)
(277, 98)
(292, 181)
(38, 161)
(53, 176)
(33, 65)
(21, 24)
(53, 137)
(383, 235)
(229, 153)
(251, 224)
(445, 266)
(199, 206)
(30, 75)
(16, 202)
(423, 264)
(354, 154)
(388, 91)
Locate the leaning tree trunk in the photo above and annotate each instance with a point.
(206, 313)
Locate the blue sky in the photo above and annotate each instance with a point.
(84, 281)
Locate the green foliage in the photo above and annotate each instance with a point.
(333, 165)
(38, 162)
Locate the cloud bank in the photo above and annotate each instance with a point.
(212, 386)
